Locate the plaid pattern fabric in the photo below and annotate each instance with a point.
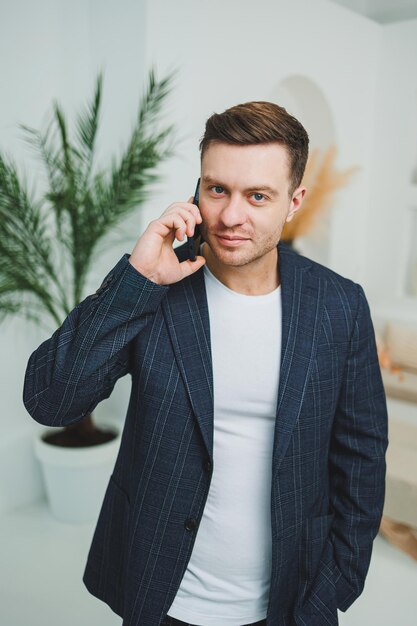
(171, 621)
(330, 438)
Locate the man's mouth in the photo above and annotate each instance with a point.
(231, 240)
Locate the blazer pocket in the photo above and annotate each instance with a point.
(317, 603)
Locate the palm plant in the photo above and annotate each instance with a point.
(47, 245)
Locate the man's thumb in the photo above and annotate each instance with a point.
(190, 267)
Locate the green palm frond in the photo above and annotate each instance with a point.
(87, 126)
(84, 204)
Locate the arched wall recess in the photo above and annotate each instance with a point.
(304, 99)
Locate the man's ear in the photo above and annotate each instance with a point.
(296, 202)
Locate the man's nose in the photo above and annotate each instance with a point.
(233, 212)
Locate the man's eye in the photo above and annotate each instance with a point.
(217, 189)
(258, 197)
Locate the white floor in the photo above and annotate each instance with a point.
(42, 563)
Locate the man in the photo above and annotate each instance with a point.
(249, 484)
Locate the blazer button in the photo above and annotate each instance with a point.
(190, 523)
(207, 465)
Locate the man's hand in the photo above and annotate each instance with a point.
(153, 255)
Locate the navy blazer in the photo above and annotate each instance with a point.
(328, 466)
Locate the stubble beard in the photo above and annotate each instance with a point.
(236, 257)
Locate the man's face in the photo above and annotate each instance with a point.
(244, 200)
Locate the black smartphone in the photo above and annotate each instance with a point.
(191, 240)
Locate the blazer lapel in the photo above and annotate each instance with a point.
(186, 313)
(302, 296)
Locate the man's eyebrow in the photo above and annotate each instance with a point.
(209, 179)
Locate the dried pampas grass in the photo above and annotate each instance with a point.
(321, 180)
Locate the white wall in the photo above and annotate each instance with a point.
(227, 51)
(393, 162)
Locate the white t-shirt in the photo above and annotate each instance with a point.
(227, 579)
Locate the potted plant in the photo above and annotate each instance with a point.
(46, 251)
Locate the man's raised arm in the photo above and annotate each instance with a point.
(76, 368)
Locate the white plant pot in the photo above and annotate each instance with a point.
(76, 478)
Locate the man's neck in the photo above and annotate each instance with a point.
(253, 279)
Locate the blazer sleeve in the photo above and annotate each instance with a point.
(357, 459)
(78, 366)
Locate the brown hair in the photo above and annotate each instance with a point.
(257, 123)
